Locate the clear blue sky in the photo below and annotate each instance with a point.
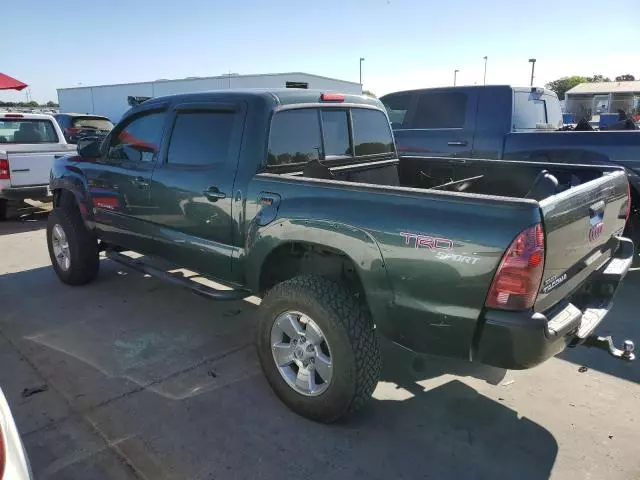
(407, 43)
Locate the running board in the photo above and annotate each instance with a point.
(195, 287)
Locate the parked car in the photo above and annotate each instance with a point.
(299, 197)
(14, 462)
(78, 125)
(29, 143)
(508, 123)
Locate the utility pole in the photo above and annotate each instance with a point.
(455, 76)
(533, 68)
(361, 60)
(484, 82)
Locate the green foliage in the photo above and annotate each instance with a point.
(564, 84)
(598, 79)
(31, 104)
(369, 93)
(627, 77)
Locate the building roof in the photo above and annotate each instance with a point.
(605, 87)
(233, 75)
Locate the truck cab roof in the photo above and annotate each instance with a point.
(273, 96)
(480, 87)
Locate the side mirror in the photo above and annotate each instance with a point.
(89, 148)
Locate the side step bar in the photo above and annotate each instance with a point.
(195, 287)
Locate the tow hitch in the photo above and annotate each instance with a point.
(606, 343)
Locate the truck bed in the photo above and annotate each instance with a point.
(441, 246)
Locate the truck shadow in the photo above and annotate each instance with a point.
(129, 350)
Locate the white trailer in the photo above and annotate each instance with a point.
(112, 100)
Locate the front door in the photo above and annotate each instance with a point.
(192, 187)
(119, 186)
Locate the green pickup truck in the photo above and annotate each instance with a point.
(299, 197)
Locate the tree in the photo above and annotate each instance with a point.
(627, 77)
(598, 79)
(369, 93)
(51, 104)
(32, 104)
(564, 84)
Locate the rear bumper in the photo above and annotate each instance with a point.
(519, 340)
(37, 192)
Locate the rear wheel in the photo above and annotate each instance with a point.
(317, 347)
(73, 249)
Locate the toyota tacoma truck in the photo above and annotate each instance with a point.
(29, 143)
(510, 123)
(299, 197)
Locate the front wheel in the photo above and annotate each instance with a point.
(72, 248)
(318, 348)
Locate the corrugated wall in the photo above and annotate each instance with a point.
(111, 100)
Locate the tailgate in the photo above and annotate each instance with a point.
(31, 168)
(581, 227)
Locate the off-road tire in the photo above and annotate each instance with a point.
(83, 247)
(350, 333)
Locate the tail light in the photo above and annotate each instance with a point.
(516, 283)
(5, 174)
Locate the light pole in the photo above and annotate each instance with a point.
(533, 68)
(361, 60)
(484, 82)
(455, 76)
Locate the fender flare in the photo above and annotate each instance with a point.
(355, 243)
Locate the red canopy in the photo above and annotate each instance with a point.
(9, 83)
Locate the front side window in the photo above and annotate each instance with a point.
(200, 138)
(27, 131)
(139, 140)
(371, 132)
(397, 106)
(295, 137)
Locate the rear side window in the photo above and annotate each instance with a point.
(200, 138)
(371, 132)
(27, 131)
(440, 110)
(295, 137)
(397, 106)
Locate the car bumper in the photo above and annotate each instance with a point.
(519, 340)
(37, 192)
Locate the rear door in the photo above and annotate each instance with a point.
(192, 189)
(581, 225)
(437, 123)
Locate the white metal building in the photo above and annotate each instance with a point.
(111, 100)
(603, 97)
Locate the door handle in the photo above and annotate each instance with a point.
(213, 194)
(459, 143)
(140, 182)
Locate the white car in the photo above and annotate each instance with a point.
(14, 463)
(29, 143)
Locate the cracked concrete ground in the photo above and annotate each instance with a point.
(145, 380)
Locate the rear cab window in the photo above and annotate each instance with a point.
(93, 123)
(533, 110)
(333, 135)
(27, 131)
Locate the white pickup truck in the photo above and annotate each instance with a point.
(29, 143)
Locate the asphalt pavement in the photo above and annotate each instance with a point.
(129, 377)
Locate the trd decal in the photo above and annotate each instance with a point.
(553, 282)
(425, 241)
(453, 257)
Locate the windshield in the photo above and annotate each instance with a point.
(95, 123)
(27, 131)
